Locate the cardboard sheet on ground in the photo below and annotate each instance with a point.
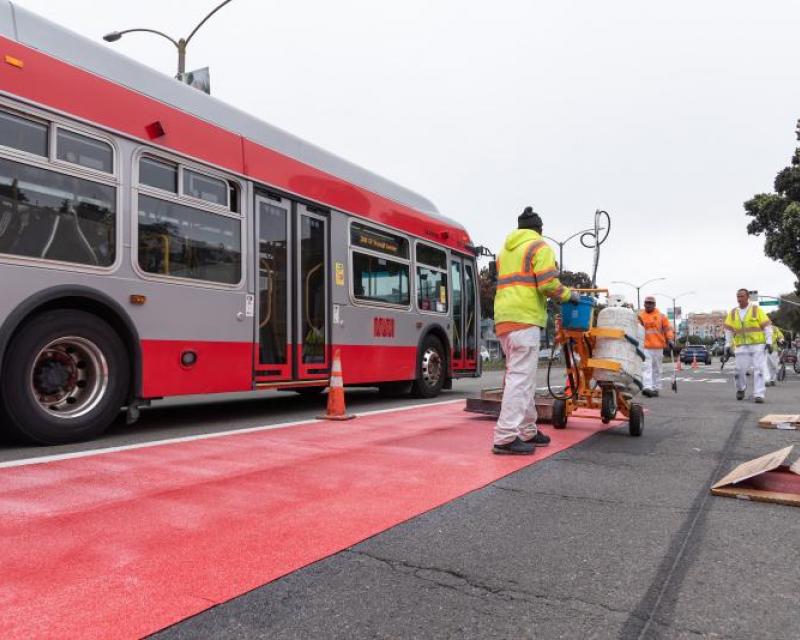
(788, 421)
(764, 479)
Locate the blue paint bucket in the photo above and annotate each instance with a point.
(577, 316)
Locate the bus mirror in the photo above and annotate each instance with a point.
(493, 271)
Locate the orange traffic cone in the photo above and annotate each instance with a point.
(336, 410)
(694, 362)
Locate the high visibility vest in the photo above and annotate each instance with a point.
(526, 276)
(657, 329)
(751, 331)
(777, 335)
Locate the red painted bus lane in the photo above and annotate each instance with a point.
(124, 543)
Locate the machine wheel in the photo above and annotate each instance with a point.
(797, 367)
(559, 413)
(431, 368)
(781, 375)
(65, 378)
(636, 420)
(608, 407)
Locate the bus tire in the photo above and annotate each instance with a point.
(431, 368)
(65, 378)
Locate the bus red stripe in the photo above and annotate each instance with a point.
(50, 82)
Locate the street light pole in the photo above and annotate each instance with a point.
(180, 44)
(637, 287)
(674, 315)
(561, 246)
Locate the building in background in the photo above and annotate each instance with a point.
(706, 325)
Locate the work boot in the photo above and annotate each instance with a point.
(514, 448)
(539, 440)
(740, 395)
(647, 392)
(759, 400)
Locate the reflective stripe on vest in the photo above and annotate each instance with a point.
(518, 297)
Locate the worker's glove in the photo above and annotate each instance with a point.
(769, 349)
(574, 297)
(728, 352)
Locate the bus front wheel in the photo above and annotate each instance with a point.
(431, 368)
(65, 378)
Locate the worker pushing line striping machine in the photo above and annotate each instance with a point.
(603, 358)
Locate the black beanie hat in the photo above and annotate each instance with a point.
(529, 219)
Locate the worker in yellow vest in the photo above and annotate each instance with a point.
(527, 275)
(771, 362)
(749, 331)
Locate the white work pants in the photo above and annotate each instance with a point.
(747, 356)
(518, 411)
(771, 364)
(652, 368)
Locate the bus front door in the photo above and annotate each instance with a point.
(291, 293)
(465, 316)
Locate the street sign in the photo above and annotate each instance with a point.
(672, 315)
(769, 303)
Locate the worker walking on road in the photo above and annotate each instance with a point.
(771, 361)
(749, 331)
(657, 336)
(527, 274)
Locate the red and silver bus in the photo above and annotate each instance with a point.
(157, 242)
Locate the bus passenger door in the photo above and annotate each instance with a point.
(457, 280)
(471, 320)
(313, 296)
(274, 277)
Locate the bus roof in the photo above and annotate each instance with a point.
(36, 32)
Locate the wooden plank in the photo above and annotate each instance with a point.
(759, 495)
(790, 421)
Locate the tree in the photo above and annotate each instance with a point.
(777, 216)
(787, 317)
(575, 279)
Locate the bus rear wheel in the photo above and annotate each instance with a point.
(431, 368)
(65, 377)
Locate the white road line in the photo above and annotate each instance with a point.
(200, 436)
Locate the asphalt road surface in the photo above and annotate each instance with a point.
(617, 537)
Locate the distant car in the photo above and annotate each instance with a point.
(485, 357)
(699, 351)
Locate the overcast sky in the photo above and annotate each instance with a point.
(667, 115)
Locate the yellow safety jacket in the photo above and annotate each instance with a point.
(777, 335)
(751, 331)
(526, 275)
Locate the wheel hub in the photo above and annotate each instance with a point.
(431, 367)
(69, 377)
(55, 373)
